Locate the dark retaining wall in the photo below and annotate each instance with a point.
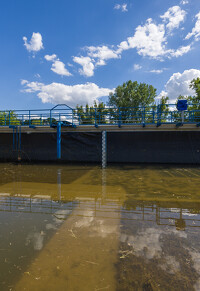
(134, 147)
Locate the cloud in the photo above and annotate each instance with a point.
(178, 84)
(149, 40)
(50, 57)
(57, 67)
(101, 54)
(184, 2)
(35, 44)
(137, 67)
(196, 29)
(156, 71)
(173, 17)
(57, 93)
(37, 75)
(87, 65)
(96, 56)
(122, 7)
(181, 51)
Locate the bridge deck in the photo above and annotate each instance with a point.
(109, 128)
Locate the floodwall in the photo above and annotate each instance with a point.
(122, 147)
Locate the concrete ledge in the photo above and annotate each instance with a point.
(109, 128)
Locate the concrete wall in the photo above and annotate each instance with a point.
(134, 147)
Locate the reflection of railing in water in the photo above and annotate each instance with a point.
(37, 204)
(90, 207)
(179, 217)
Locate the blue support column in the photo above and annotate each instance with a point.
(59, 140)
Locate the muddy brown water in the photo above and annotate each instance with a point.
(83, 228)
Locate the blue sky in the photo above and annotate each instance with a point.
(78, 51)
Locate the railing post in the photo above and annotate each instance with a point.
(104, 149)
(120, 117)
(153, 116)
(59, 140)
(158, 115)
(143, 117)
(95, 118)
(50, 118)
(29, 117)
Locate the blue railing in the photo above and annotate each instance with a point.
(100, 116)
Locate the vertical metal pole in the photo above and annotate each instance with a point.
(59, 140)
(29, 117)
(104, 149)
(50, 118)
(119, 118)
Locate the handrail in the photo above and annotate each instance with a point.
(141, 115)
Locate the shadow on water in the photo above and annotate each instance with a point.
(83, 228)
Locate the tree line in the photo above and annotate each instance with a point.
(129, 102)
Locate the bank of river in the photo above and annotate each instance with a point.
(83, 228)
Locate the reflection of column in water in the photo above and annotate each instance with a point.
(103, 171)
(59, 183)
(180, 222)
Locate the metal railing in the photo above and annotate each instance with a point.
(141, 115)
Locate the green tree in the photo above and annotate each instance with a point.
(91, 114)
(195, 85)
(8, 118)
(133, 100)
(132, 94)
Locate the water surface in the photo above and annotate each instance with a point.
(76, 227)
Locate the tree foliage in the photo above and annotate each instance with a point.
(132, 94)
(91, 114)
(8, 118)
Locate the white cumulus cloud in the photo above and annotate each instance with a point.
(57, 93)
(150, 40)
(35, 44)
(122, 7)
(184, 2)
(156, 71)
(50, 57)
(87, 65)
(179, 84)
(137, 67)
(57, 67)
(173, 17)
(196, 29)
(181, 51)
